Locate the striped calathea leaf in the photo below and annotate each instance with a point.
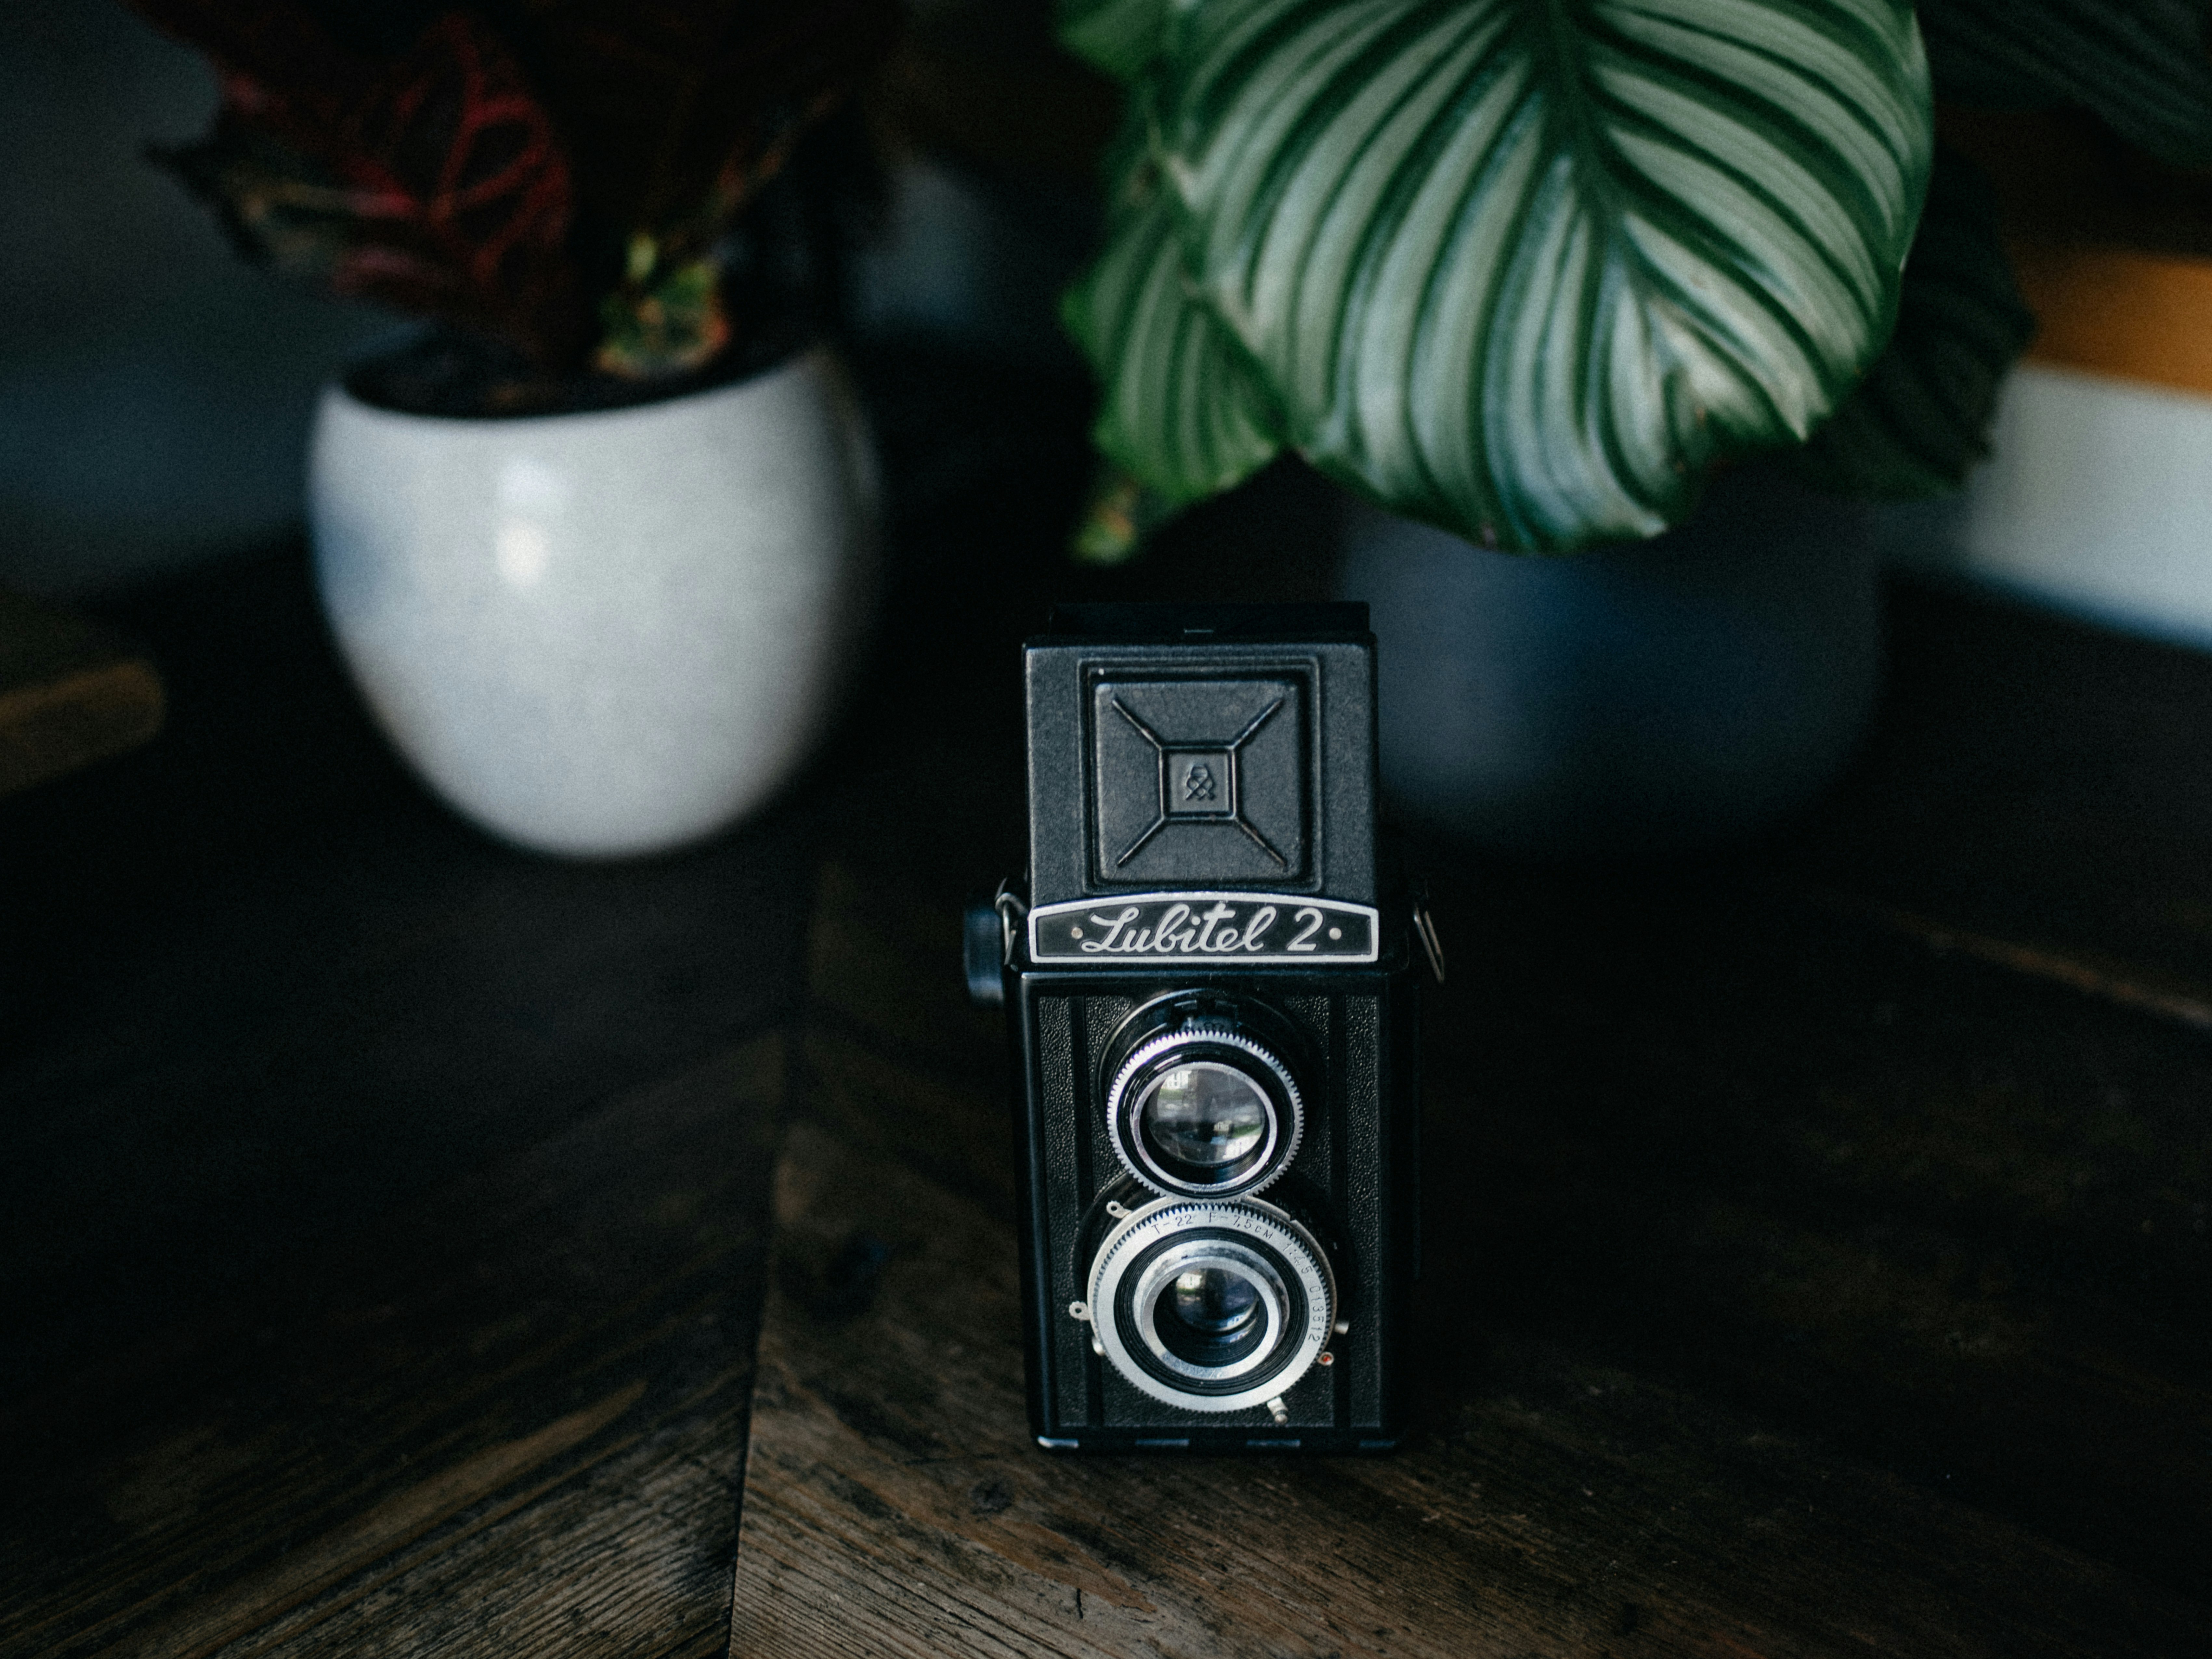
(1523, 268)
(1920, 419)
(1183, 411)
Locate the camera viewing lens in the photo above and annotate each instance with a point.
(1205, 1114)
(1201, 1105)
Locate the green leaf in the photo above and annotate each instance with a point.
(1121, 37)
(1920, 419)
(1524, 267)
(1181, 412)
(2142, 64)
(662, 321)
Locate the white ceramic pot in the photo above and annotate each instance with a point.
(610, 633)
(2097, 497)
(1648, 699)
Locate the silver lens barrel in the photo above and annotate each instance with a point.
(1211, 1307)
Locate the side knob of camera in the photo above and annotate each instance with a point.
(988, 929)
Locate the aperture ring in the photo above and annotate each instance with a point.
(1299, 1261)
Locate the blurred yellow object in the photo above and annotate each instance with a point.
(2121, 313)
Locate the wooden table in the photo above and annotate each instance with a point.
(1818, 1255)
(70, 694)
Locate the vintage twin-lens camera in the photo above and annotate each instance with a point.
(1211, 983)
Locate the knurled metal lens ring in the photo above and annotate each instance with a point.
(1124, 1104)
(1300, 1265)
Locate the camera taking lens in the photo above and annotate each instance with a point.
(1206, 1306)
(1212, 1307)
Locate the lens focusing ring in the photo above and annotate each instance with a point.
(1140, 1259)
(1126, 1098)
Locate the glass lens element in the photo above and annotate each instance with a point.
(1205, 1114)
(1214, 1302)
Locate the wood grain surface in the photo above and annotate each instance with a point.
(894, 1505)
(71, 693)
(383, 1211)
(521, 1433)
(1798, 1283)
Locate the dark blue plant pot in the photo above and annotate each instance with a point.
(1655, 698)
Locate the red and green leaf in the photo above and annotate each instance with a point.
(466, 189)
(434, 182)
(474, 169)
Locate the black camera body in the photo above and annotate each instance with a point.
(1212, 988)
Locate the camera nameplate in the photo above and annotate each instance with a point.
(1206, 930)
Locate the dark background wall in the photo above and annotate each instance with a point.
(155, 392)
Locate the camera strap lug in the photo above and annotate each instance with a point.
(1012, 911)
(1425, 929)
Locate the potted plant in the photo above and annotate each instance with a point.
(1529, 275)
(597, 543)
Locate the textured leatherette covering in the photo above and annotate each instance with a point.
(1221, 759)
